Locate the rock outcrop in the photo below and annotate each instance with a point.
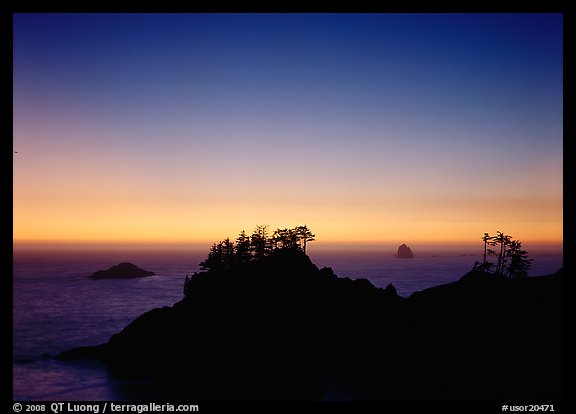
(282, 329)
(404, 252)
(121, 271)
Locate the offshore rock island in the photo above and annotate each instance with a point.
(276, 327)
(124, 270)
(404, 252)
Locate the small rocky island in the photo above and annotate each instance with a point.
(121, 271)
(404, 252)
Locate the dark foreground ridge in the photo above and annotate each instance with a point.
(282, 329)
(121, 271)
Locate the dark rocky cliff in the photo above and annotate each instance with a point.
(282, 329)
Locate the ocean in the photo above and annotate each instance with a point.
(57, 307)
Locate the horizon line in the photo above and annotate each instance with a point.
(316, 245)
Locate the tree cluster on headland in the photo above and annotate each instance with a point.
(246, 248)
(511, 259)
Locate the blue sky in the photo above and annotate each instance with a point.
(351, 123)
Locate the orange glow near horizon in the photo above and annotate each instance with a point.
(138, 226)
(363, 135)
(125, 203)
(122, 209)
(117, 210)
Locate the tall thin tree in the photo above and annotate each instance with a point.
(242, 248)
(259, 241)
(305, 235)
(486, 238)
(503, 240)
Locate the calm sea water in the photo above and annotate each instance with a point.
(57, 307)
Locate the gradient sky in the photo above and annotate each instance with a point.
(368, 128)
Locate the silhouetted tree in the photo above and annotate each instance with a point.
(243, 248)
(508, 249)
(188, 283)
(486, 265)
(519, 262)
(259, 241)
(486, 238)
(305, 235)
(503, 240)
(215, 259)
(285, 239)
(228, 254)
(488, 241)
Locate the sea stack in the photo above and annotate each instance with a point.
(404, 252)
(121, 271)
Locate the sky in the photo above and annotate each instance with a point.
(368, 128)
